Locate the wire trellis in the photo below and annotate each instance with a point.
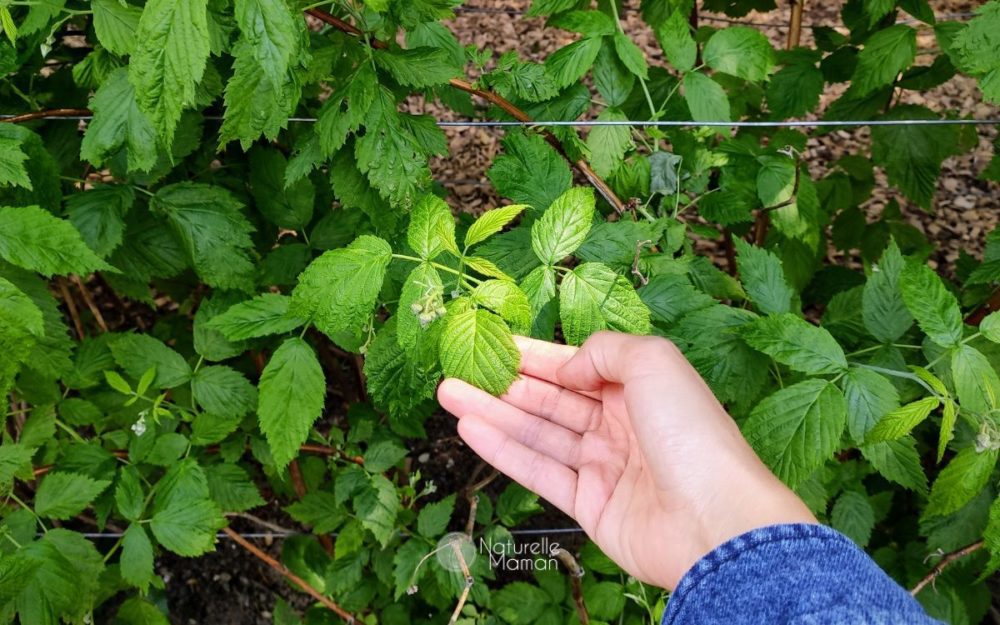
(663, 123)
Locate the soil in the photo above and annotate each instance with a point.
(230, 586)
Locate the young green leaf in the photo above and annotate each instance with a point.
(797, 428)
(119, 123)
(292, 392)
(172, 47)
(12, 171)
(231, 488)
(990, 327)
(764, 278)
(420, 303)
(900, 422)
(187, 526)
(476, 346)
(211, 226)
(564, 226)
(486, 267)
(390, 155)
(273, 32)
(593, 297)
(32, 238)
(432, 228)
(931, 304)
(706, 99)
(870, 396)
(263, 315)
(223, 391)
(507, 300)
(64, 495)
(400, 379)
(883, 309)
(886, 53)
(256, 106)
(898, 461)
(797, 343)
(964, 477)
(136, 562)
(741, 51)
(776, 180)
(491, 222)
(99, 216)
(674, 35)
(569, 64)
(318, 509)
(853, 516)
(116, 24)
(377, 507)
(794, 90)
(337, 291)
(911, 154)
(630, 54)
(530, 171)
(609, 144)
(417, 67)
(433, 518)
(138, 353)
(976, 382)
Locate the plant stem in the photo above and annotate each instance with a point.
(73, 433)
(292, 577)
(438, 266)
(29, 509)
(653, 112)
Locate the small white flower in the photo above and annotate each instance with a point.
(139, 427)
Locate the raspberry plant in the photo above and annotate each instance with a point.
(253, 262)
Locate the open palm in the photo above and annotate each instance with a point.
(624, 436)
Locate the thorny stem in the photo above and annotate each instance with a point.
(292, 577)
(945, 562)
(575, 575)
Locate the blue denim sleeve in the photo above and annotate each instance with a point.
(791, 574)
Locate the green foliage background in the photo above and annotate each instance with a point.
(273, 251)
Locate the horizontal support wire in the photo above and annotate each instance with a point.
(276, 534)
(665, 123)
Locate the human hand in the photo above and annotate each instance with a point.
(623, 435)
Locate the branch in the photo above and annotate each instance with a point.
(91, 304)
(575, 574)
(71, 307)
(493, 98)
(27, 117)
(292, 577)
(945, 562)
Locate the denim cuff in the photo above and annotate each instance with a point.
(801, 573)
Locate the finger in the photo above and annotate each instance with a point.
(462, 399)
(541, 359)
(558, 404)
(615, 358)
(535, 471)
